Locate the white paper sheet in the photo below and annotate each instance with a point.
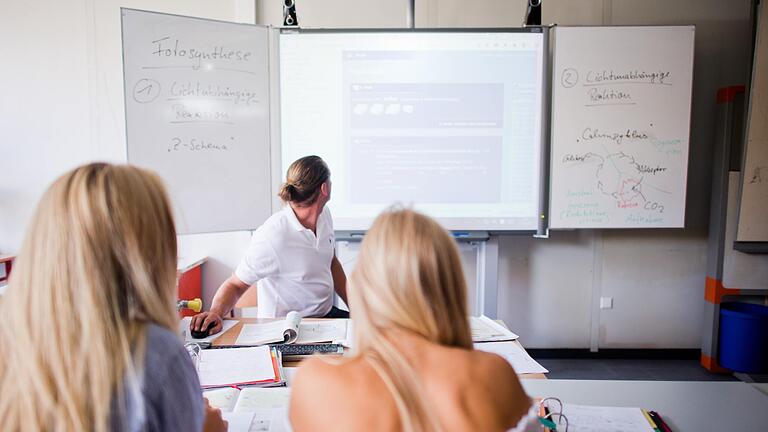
(222, 367)
(322, 331)
(254, 398)
(223, 398)
(263, 420)
(238, 422)
(605, 419)
(485, 329)
(184, 329)
(513, 353)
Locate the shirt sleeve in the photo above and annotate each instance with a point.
(174, 400)
(260, 261)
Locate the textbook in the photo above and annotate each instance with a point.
(293, 330)
(254, 366)
(252, 408)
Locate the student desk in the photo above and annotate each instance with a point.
(230, 336)
(684, 405)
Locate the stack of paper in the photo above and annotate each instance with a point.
(485, 329)
(252, 409)
(513, 353)
(240, 366)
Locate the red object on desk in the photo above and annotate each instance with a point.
(191, 283)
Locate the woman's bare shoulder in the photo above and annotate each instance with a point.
(335, 392)
(320, 373)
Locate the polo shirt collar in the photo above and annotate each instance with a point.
(292, 219)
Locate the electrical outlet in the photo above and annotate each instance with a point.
(606, 302)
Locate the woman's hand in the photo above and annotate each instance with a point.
(213, 421)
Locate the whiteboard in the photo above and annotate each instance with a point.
(197, 113)
(745, 271)
(620, 126)
(753, 207)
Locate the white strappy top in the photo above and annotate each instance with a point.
(529, 422)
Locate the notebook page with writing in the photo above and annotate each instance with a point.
(223, 398)
(322, 331)
(223, 367)
(282, 331)
(605, 419)
(252, 399)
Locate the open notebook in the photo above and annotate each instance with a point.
(293, 330)
(252, 409)
(605, 419)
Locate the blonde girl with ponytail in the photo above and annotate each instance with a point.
(89, 328)
(413, 367)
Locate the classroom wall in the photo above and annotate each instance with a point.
(62, 106)
(549, 290)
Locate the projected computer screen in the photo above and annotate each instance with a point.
(448, 123)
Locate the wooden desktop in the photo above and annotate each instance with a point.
(230, 337)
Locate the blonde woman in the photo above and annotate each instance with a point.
(414, 368)
(88, 335)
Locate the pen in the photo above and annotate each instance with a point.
(650, 420)
(660, 422)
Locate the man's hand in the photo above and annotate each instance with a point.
(213, 421)
(202, 320)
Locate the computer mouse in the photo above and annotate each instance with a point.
(202, 333)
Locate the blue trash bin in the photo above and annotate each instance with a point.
(744, 337)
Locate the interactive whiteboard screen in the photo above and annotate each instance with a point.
(447, 122)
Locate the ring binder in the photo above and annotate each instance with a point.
(548, 419)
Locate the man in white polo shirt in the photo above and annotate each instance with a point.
(291, 255)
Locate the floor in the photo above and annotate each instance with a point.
(629, 369)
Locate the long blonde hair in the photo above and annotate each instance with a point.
(408, 277)
(97, 265)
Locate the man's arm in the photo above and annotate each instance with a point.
(339, 279)
(228, 294)
(223, 302)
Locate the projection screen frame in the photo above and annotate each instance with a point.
(545, 138)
